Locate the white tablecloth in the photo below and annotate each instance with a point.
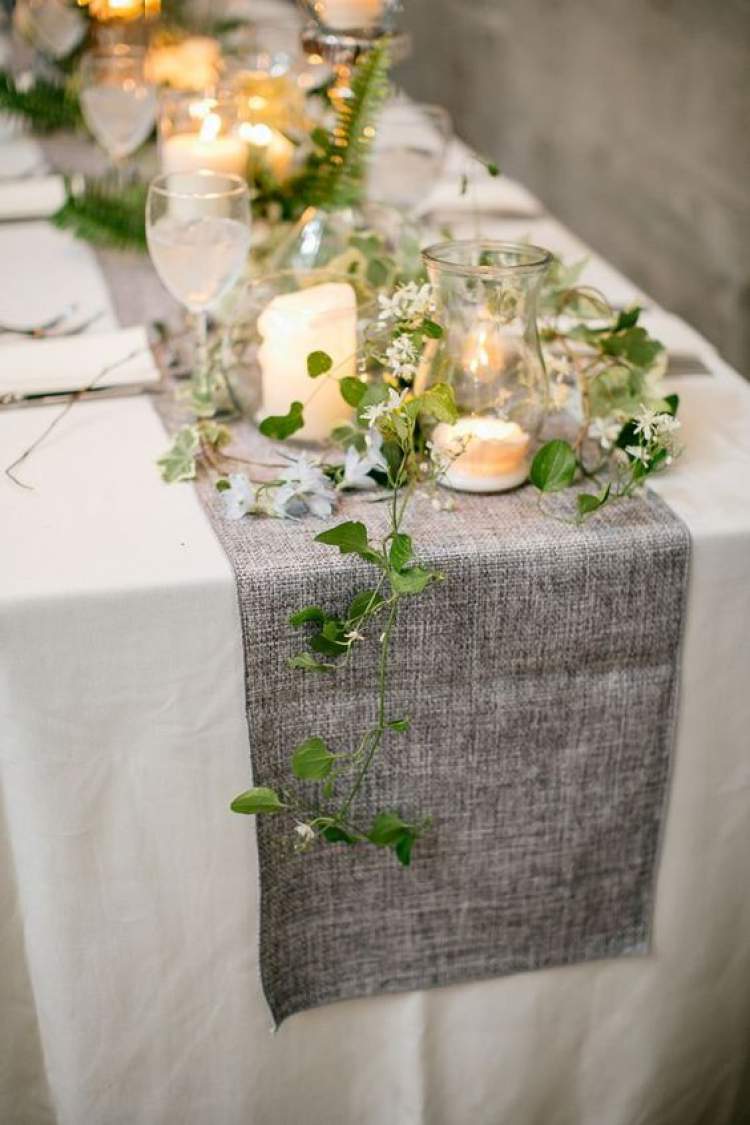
(129, 985)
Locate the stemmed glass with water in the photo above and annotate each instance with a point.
(198, 232)
(117, 100)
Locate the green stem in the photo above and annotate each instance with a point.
(376, 733)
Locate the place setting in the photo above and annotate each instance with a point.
(375, 597)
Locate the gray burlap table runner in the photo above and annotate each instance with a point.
(541, 679)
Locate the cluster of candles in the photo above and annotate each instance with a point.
(223, 134)
(483, 452)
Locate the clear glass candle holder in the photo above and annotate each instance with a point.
(197, 133)
(353, 17)
(486, 302)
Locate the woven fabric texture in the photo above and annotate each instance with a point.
(540, 678)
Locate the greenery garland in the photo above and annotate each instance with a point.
(104, 213)
(46, 106)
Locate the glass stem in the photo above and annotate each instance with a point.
(201, 380)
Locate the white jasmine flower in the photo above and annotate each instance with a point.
(409, 303)
(358, 466)
(305, 833)
(373, 414)
(606, 431)
(401, 358)
(303, 487)
(354, 635)
(645, 422)
(239, 498)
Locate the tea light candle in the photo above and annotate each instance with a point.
(321, 318)
(343, 15)
(490, 454)
(206, 148)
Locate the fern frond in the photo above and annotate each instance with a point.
(334, 175)
(106, 215)
(46, 106)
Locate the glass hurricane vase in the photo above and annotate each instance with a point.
(486, 302)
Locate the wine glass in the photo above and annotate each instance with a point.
(117, 100)
(198, 233)
(408, 153)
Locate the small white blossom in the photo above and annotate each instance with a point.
(306, 833)
(645, 423)
(409, 303)
(303, 487)
(401, 358)
(354, 635)
(358, 466)
(239, 498)
(606, 431)
(373, 414)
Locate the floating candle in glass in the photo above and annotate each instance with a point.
(485, 301)
(484, 454)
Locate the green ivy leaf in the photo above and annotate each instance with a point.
(256, 801)
(439, 403)
(554, 467)
(588, 503)
(179, 462)
(628, 318)
(312, 760)
(338, 835)
(412, 581)
(282, 426)
(363, 603)
(403, 848)
(401, 551)
(386, 830)
(352, 390)
(307, 663)
(399, 725)
(318, 363)
(351, 539)
(309, 613)
(377, 272)
(633, 344)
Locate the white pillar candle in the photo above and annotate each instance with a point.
(206, 148)
(322, 318)
(488, 454)
(346, 15)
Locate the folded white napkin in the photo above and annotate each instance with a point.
(54, 366)
(20, 156)
(37, 197)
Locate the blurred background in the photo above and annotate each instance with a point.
(630, 121)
